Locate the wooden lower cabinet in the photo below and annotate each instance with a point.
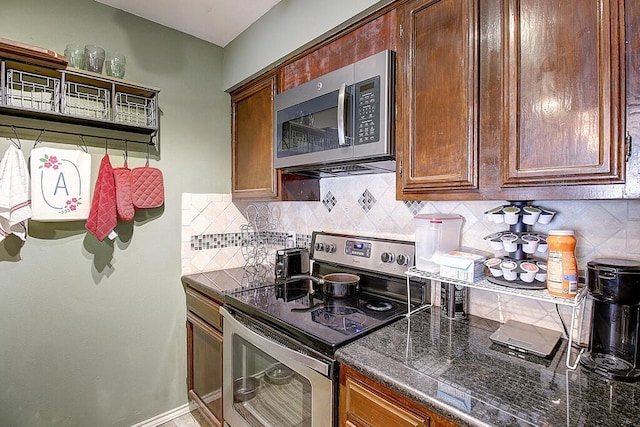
(365, 403)
(204, 355)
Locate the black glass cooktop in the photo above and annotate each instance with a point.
(321, 322)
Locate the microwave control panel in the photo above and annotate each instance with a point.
(367, 99)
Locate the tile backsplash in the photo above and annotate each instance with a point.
(214, 229)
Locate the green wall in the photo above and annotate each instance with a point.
(93, 333)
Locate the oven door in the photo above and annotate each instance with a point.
(268, 384)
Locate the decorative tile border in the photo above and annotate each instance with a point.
(229, 240)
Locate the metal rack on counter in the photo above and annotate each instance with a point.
(535, 294)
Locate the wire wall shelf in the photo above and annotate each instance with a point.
(76, 102)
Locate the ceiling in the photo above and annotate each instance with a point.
(215, 21)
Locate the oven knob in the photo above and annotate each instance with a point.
(331, 248)
(387, 257)
(402, 259)
(319, 247)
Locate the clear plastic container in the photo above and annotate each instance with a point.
(435, 234)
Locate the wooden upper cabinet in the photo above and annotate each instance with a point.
(563, 101)
(512, 99)
(437, 127)
(252, 173)
(376, 34)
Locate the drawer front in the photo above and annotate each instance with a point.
(204, 308)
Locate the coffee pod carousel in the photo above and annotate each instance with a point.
(520, 269)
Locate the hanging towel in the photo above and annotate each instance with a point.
(124, 202)
(60, 184)
(15, 206)
(103, 216)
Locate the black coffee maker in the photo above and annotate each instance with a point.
(614, 350)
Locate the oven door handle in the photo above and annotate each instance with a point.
(231, 324)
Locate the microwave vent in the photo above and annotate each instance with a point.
(345, 169)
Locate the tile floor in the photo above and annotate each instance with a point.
(192, 419)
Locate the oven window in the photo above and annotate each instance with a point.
(266, 392)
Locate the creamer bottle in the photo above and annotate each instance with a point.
(562, 270)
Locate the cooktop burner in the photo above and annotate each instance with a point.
(379, 305)
(348, 320)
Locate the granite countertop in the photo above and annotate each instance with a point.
(453, 368)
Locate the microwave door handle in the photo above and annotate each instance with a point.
(342, 140)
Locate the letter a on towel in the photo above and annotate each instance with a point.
(103, 216)
(60, 184)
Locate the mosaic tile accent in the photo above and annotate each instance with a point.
(367, 201)
(414, 206)
(228, 240)
(215, 241)
(329, 201)
(303, 241)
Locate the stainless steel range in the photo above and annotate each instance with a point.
(280, 339)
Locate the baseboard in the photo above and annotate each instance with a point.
(163, 418)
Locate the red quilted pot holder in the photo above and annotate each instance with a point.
(124, 197)
(147, 187)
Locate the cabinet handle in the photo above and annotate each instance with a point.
(627, 146)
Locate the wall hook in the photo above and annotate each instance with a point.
(19, 143)
(84, 144)
(37, 141)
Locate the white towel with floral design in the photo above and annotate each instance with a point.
(15, 208)
(60, 184)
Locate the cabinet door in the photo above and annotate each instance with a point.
(437, 139)
(365, 408)
(365, 403)
(204, 368)
(563, 105)
(252, 173)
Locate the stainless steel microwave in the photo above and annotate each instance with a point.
(344, 117)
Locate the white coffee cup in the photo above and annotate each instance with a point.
(509, 242)
(530, 243)
(509, 269)
(529, 271)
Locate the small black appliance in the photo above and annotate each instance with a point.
(614, 350)
(291, 262)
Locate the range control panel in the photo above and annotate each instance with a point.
(385, 256)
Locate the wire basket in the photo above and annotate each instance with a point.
(32, 91)
(87, 101)
(136, 110)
